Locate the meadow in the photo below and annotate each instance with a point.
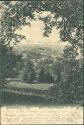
(24, 93)
(24, 103)
(22, 85)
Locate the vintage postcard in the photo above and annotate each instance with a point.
(41, 62)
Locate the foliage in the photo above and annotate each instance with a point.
(29, 73)
(69, 87)
(45, 77)
(42, 61)
(68, 17)
(8, 63)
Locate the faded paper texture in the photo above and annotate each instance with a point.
(41, 75)
(41, 115)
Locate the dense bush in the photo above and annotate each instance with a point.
(28, 72)
(45, 77)
(69, 89)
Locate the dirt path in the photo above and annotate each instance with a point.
(41, 115)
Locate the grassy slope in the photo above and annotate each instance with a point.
(36, 86)
(23, 92)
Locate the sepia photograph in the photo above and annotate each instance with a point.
(41, 62)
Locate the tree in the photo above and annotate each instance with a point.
(68, 17)
(68, 86)
(45, 77)
(73, 86)
(28, 72)
(8, 63)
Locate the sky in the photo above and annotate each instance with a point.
(34, 33)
